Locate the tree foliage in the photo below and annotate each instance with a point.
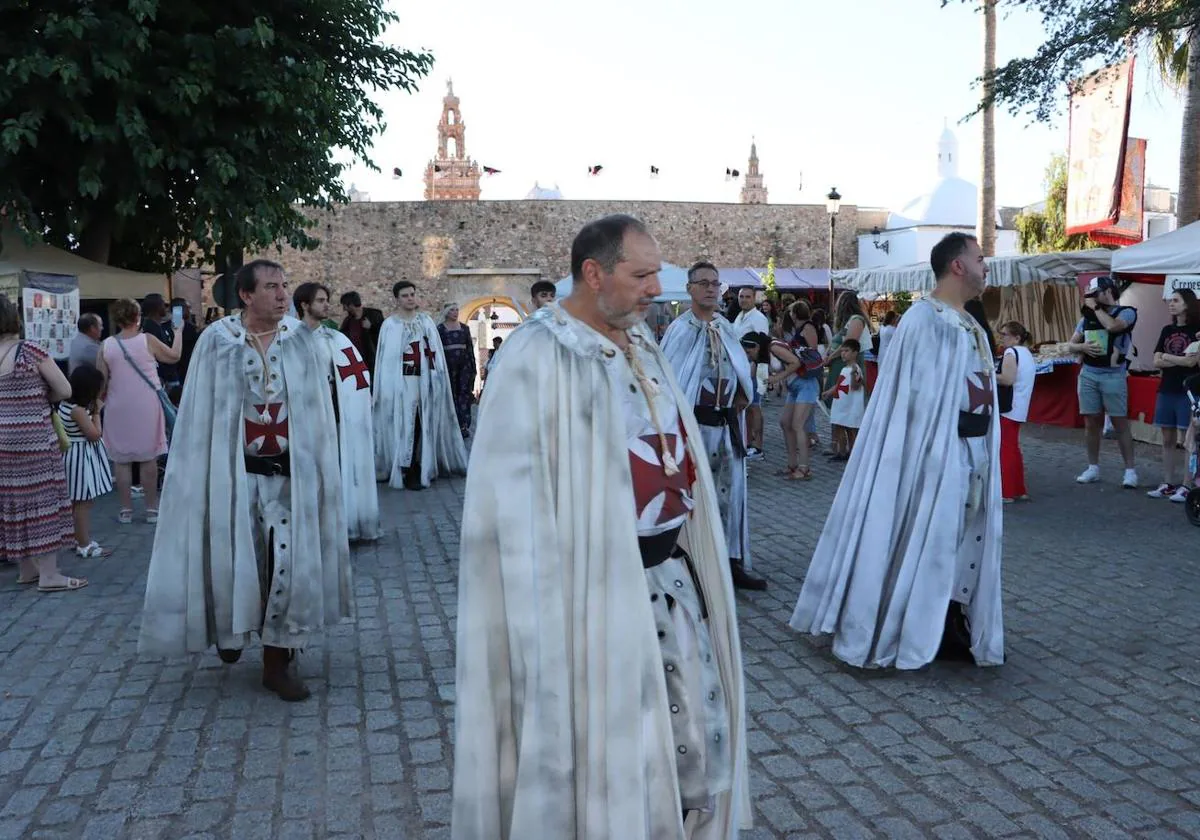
(1083, 36)
(769, 279)
(1045, 232)
(136, 129)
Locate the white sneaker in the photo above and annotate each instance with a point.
(1089, 476)
(1162, 491)
(753, 454)
(1130, 480)
(1181, 493)
(137, 491)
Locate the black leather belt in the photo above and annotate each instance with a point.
(658, 548)
(973, 425)
(709, 415)
(269, 465)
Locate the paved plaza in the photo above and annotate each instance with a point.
(1092, 728)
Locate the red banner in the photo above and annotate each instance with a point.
(1128, 229)
(1096, 150)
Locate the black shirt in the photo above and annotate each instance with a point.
(1174, 339)
(166, 334)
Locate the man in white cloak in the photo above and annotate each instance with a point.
(417, 436)
(908, 565)
(714, 374)
(251, 536)
(599, 678)
(350, 388)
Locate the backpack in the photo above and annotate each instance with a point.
(812, 365)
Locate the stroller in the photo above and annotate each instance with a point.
(1192, 503)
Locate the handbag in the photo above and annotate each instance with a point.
(168, 407)
(60, 431)
(1004, 393)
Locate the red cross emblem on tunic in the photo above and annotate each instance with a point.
(412, 359)
(355, 367)
(650, 481)
(979, 396)
(842, 387)
(269, 437)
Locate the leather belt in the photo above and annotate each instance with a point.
(707, 415)
(658, 548)
(973, 425)
(280, 465)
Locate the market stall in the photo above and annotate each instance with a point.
(1039, 290)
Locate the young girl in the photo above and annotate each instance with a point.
(86, 461)
(849, 401)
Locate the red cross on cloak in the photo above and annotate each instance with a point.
(355, 367)
(430, 356)
(650, 481)
(412, 359)
(979, 396)
(273, 433)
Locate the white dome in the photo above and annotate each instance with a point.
(953, 202)
(541, 193)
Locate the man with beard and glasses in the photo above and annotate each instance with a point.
(599, 676)
(908, 566)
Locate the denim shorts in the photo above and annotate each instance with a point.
(803, 391)
(756, 398)
(1104, 392)
(1172, 411)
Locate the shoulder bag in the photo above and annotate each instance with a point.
(1004, 393)
(168, 407)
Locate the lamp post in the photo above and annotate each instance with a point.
(833, 203)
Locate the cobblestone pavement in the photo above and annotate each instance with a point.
(1090, 730)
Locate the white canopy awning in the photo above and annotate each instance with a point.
(1002, 271)
(672, 278)
(1177, 252)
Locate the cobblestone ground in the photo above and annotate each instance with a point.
(1090, 730)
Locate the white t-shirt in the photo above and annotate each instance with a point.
(1023, 384)
(751, 320)
(885, 336)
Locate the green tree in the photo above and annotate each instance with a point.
(1045, 231)
(134, 130)
(1084, 35)
(769, 280)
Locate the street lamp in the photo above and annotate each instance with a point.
(833, 203)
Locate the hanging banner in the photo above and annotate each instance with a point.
(1099, 113)
(51, 309)
(1128, 228)
(1175, 282)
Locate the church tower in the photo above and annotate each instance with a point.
(947, 154)
(753, 191)
(451, 176)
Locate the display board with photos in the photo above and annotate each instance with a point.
(50, 310)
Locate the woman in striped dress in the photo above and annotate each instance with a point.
(86, 460)
(35, 513)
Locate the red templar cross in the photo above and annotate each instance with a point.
(412, 358)
(271, 437)
(979, 397)
(355, 367)
(841, 388)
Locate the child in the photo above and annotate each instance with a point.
(89, 474)
(849, 401)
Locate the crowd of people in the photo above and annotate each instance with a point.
(605, 522)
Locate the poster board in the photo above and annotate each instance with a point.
(50, 310)
(1181, 281)
(1099, 112)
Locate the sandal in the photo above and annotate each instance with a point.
(801, 474)
(25, 582)
(785, 471)
(151, 516)
(92, 549)
(125, 516)
(69, 584)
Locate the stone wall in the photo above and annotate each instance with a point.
(367, 246)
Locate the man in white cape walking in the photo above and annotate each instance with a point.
(417, 436)
(599, 680)
(251, 536)
(908, 565)
(350, 387)
(714, 374)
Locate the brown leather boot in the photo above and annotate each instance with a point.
(278, 678)
(229, 655)
(743, 579)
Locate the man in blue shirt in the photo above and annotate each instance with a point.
(1103, 338)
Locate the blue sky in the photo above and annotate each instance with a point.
(851, 94)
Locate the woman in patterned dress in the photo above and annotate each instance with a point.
(89, 475)
(35, 513)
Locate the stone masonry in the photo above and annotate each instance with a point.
(368, 246)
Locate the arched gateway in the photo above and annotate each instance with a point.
(491, 302)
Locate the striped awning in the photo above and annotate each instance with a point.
(1020, 270)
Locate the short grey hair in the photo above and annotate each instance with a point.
(88, 320)
(602, 241)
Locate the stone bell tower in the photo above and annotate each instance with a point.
(451, 176)
(753, 190)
